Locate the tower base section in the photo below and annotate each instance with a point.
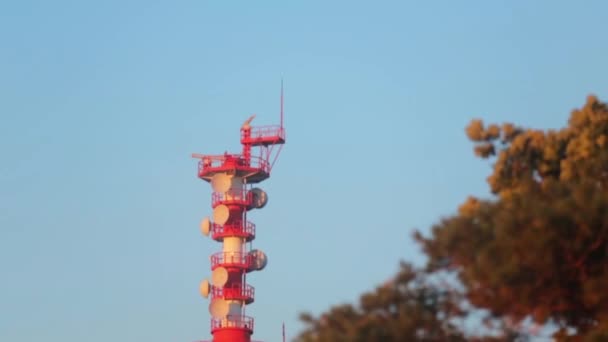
(232, 335)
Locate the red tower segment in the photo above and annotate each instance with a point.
(231, 177)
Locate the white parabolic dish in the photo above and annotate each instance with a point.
(219, 277)
(205, 288)
(221, 213)
(218, 308)
(205, 226)
(221, 182)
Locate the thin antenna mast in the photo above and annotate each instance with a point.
(281, 102)
(283, 331)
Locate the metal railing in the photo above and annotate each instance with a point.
(211, 162)
(269, 131)
(214, 161)
(244, 292)
(231, 321)
(232, 259)
(259, 163)
(240, 196)
(236, 229)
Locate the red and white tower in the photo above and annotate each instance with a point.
(232, 178)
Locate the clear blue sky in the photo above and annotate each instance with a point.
(102, 102)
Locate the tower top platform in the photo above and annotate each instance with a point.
(253, 169)
(263, 135)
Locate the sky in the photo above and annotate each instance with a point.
(103, 102)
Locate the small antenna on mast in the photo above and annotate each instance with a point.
(283, 331)
(281, 102)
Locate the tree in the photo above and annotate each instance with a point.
(539, 248)
(406, 308)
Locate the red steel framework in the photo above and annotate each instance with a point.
(251, 170)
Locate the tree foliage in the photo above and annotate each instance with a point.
(406, 308)
(538, 249)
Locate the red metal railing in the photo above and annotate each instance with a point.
(269, 131)
(231, 259)
(216, 162)
(236, 229)
(245, 292)
(240, 322)
(259, 163)
(238, 197)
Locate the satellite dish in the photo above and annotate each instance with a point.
(221, 213)
(259, 198)
(205, 226)
(260, 260)
(205, 288)
(247, 123)
(221, 182)
(218, 308)
(219, 277)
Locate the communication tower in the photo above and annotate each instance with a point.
(232, 178)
